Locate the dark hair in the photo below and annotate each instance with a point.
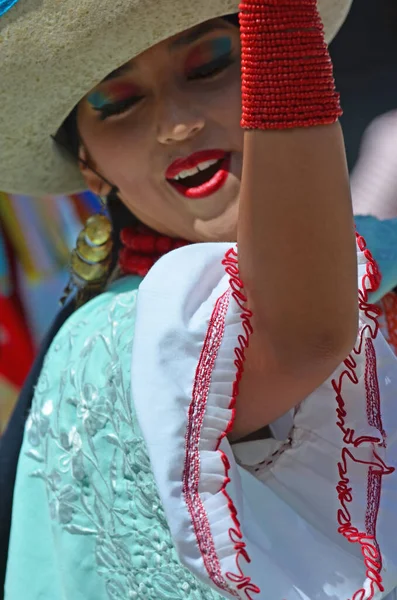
(69, 139)
(233, 19)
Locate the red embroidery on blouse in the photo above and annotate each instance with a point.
(191, 471)
(230, 263)
(374, 488)
(267, 462)
(376, 466)
(374, 414)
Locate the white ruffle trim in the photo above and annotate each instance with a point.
(272, 534)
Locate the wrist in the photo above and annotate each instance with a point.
(287, 78)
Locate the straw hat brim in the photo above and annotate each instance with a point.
(52, 52)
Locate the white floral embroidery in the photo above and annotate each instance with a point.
(84, 438)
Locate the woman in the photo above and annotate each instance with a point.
(148, 498)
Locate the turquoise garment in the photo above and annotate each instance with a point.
(381, 239)
(88, 523)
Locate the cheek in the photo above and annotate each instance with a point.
(118, 150)
(127, 158)
(232, 112)
(225, 108)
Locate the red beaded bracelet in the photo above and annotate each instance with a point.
(287, 75)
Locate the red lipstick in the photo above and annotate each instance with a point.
(217, 173)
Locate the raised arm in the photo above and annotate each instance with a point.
(297, 254)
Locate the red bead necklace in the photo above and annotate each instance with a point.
(142, 247)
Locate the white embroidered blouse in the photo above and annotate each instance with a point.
(310, 514)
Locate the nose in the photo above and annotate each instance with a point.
(178, 120)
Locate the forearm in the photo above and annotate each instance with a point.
(296, 239)
(296, 233)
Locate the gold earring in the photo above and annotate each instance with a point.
(91, 259)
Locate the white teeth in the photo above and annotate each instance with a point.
(200, 167)
(187, 173)
(205, 165)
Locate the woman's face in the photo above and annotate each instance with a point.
(165, 130)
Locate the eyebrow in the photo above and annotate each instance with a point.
(196, 33)
(185, 39)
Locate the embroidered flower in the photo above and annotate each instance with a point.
(92, 408)
(73, 457)
(38, 423)
(113, 373)
(61, 507)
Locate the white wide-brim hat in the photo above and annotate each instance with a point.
(52, 52)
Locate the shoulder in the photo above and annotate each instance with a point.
(84, 379)
(99, 315)
(86, 372)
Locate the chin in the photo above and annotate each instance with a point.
(222, 228)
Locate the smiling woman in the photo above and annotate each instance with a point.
(194, 427)
(165, 113)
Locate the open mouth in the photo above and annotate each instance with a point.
(201, 174)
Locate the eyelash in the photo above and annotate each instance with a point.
(207, 71)
(213, 68)
(118, 108)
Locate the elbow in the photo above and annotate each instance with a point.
(322, 349)
(330, 346)
(336, 345)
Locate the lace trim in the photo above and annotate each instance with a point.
(372, 394)
(236, 584)
(376, 467)
(230, 263)
(191, 471)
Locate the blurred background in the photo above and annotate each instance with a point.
(36, 235)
